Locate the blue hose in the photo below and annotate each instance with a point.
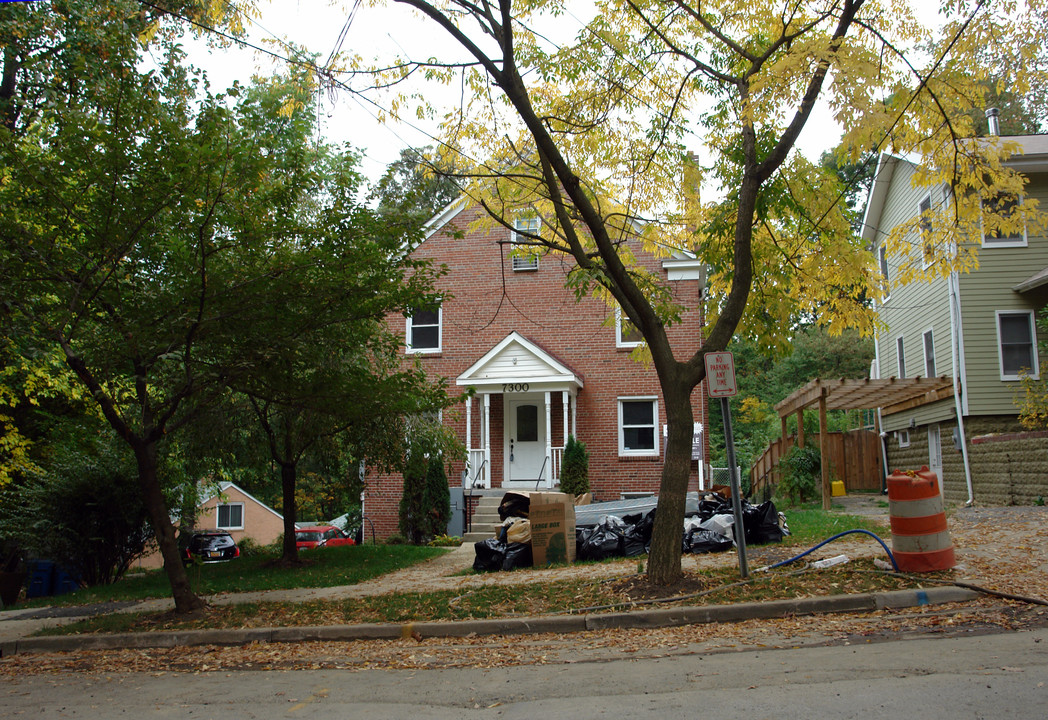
(838, 535)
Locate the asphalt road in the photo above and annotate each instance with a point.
(996, 676)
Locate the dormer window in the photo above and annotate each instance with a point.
(524, 253)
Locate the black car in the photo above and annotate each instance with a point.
(209, 546)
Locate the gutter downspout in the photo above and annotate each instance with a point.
(955, 315)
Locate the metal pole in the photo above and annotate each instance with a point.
(736, 490)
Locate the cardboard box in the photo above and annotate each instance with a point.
(548, 498)
(552, 532)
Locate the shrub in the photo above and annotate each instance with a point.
(574, 471)
(249, 547)
(445, 541)
(396, 539)
(801, 469)
(83, 512)
(425, 507)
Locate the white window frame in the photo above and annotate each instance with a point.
(620, 341)
(1034, 370)
(409, 335)
(1009, 242)
(882, 262)
(531, 224)
(900, 356)
(924, 231)
(218, 516)
(903, 436)
(646, 452)
(928, 339)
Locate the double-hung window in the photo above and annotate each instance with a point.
(924, 224)
(627, 335)
(230, 516)
(882, 261)
(929, 354)
(1017, 344)
(525, 256)
(1004, 210)
(638, 426)
(423, 331)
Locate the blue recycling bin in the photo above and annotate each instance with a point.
(63, 582)
(41, 579)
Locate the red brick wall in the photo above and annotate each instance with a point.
(489, 302)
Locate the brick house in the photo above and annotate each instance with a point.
(544, 366)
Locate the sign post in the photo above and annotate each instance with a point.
(720, 382)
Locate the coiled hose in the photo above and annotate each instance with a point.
(829, 540)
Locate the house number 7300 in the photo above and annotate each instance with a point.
(515, 387)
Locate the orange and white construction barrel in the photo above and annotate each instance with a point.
(920, 539)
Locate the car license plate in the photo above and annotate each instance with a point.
(215, 553)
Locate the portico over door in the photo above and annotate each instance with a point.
(526, 376)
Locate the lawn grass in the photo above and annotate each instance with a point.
(710, 587)
(320, 568)
(345, 566)
(810, 525)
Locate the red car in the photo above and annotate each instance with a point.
(321, 536)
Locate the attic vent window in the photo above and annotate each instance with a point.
(524, 257)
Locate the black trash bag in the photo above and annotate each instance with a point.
(713, 505)
(518, 555)
(514, 505)
(598, 543)
(700, 541)
(636, 538)
(490, 555)
(761, 523)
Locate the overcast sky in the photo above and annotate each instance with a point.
(317, 25)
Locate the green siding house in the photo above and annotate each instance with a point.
(978, 328)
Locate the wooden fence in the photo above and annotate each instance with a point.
(854, 456)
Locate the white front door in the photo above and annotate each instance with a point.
(525, 449)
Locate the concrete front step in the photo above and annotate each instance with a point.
(485, 519)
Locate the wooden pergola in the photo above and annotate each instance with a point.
(891, 395)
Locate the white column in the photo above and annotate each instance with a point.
(564, 402)
(469, 444)
(485, 438)
(549, 442)
(574, 413)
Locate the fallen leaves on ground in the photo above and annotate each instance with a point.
(1003, 552)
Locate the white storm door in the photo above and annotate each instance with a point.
(935, 452)
(525, 438)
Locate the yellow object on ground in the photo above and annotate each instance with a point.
(837, 488)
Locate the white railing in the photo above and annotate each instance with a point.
(476, 470)
(558, 459)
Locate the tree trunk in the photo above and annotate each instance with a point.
(8, 81)
(664, 560)
(186, 601)
(288, 478)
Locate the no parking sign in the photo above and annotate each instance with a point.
(720, 374)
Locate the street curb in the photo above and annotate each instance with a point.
(655, 618)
